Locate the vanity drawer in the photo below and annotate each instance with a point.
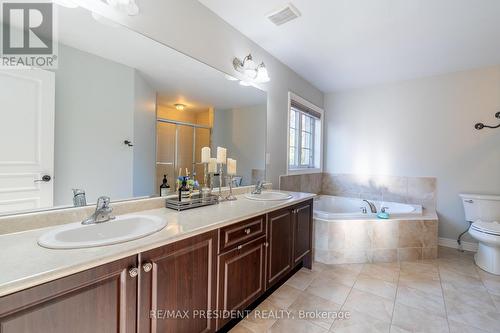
(237, 234)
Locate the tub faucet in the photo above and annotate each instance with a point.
(258, 187)
(102, 212)
(372, 206)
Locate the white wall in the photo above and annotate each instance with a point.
(421, 127)
(94, 114)
(99, 104)
(243, 132)
(191, 28)
(144, 138)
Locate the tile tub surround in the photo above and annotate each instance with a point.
(374, 241)
(309, 183)
(35, 220)
(26, 264)
(448, 294)
(412, 190)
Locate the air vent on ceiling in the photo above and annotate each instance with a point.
(284, 14)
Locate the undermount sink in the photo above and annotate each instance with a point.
(121, 229)
(268, 196)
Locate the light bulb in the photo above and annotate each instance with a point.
(249, 67)
(262, 75)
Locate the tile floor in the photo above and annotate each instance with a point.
(448, 294)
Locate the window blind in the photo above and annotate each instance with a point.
(305, 109)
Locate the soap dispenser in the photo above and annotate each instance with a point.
(164, 187)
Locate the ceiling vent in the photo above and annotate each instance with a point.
(284, 14)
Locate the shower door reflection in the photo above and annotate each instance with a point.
(179, 150)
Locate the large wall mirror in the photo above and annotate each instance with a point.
(119, 112)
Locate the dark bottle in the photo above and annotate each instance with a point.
(184, 190)
(164, 187)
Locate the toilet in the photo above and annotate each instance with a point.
(483, 211)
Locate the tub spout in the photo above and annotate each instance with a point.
(373, 209)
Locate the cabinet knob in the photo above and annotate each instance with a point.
(266, 244)
(133, 272)
(147, 267)
(240, 247)
(247, 231)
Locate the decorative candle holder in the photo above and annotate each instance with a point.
(221, 172)
(230, 196)
(205, 174)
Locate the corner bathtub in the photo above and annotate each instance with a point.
(343, 234)
(329, 208)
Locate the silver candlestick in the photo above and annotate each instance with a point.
(230, 196)
(221, 172)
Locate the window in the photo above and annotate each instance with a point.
(304, 136)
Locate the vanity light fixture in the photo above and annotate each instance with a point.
(180, 107)
(252, 72)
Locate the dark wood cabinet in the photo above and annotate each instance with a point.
(241, 276)
(239, 233)
(280, 237)
(179, 291)
(302, 233)
(101, 299)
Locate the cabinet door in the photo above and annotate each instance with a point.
(101, 299)
(302, 231)
(241, 276)
(280, 244)
(179, 290)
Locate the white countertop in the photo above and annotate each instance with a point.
(25, 264)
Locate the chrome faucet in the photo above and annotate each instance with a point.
(102, 212)
(373, 209)
(258, 187)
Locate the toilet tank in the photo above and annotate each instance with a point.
(481, 207)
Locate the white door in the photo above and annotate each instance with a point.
(26, 139)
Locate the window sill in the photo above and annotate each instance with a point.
(303, 171)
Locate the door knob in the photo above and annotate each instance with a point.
(45, 178)
(147, 267)
(133, 272)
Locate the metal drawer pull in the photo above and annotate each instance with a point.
(266, 244)
(240, 247)
(247, 231)
(147, 267)
(133, 272)
(469, 201)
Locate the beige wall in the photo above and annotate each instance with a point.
(421, 128)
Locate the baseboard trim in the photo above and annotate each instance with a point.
(467, 246)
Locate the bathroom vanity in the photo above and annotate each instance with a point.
(194, 278)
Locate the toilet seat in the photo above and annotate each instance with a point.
(491, 228)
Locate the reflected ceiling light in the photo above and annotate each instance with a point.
(66, 3)
(250, 70)
(180, 107)
(128, 7)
